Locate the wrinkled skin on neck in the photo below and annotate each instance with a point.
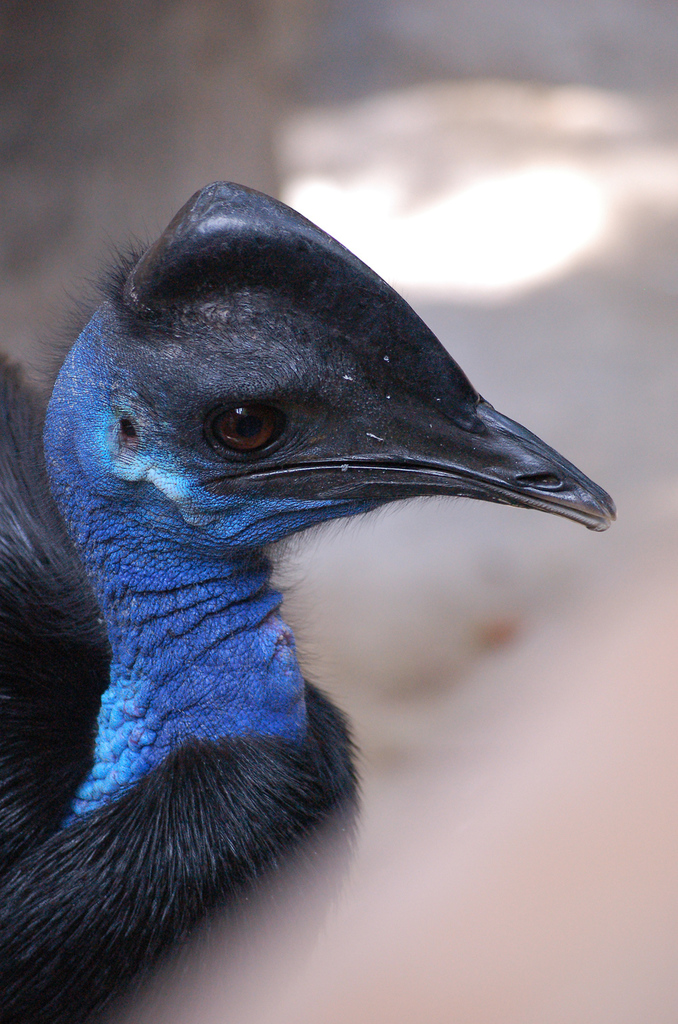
(198, 651)
(198, 647)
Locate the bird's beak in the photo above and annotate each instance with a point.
(504, 462)
(494, 459)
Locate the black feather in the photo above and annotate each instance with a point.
(53, 650)
(92, 909)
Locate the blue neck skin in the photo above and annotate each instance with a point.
(198, 647)
(198, 651)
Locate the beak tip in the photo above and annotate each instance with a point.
(607, 514)
(602, 525)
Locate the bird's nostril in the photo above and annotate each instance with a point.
(542, 481)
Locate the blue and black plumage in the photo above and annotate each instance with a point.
(160, 752)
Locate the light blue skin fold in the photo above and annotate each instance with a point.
(198, 647)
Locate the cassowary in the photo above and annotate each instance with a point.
(245, 378)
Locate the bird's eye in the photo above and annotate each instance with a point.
(245, 428)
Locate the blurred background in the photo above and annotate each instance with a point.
(511, 167)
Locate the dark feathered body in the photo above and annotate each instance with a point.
(133, 880)
(53, 650)
(94, 907)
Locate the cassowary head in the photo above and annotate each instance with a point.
(253, 377)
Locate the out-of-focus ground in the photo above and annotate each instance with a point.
(530, 878)
(513, 168)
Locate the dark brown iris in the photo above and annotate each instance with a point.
(246, 428)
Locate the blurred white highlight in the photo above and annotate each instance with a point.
(494, 237)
